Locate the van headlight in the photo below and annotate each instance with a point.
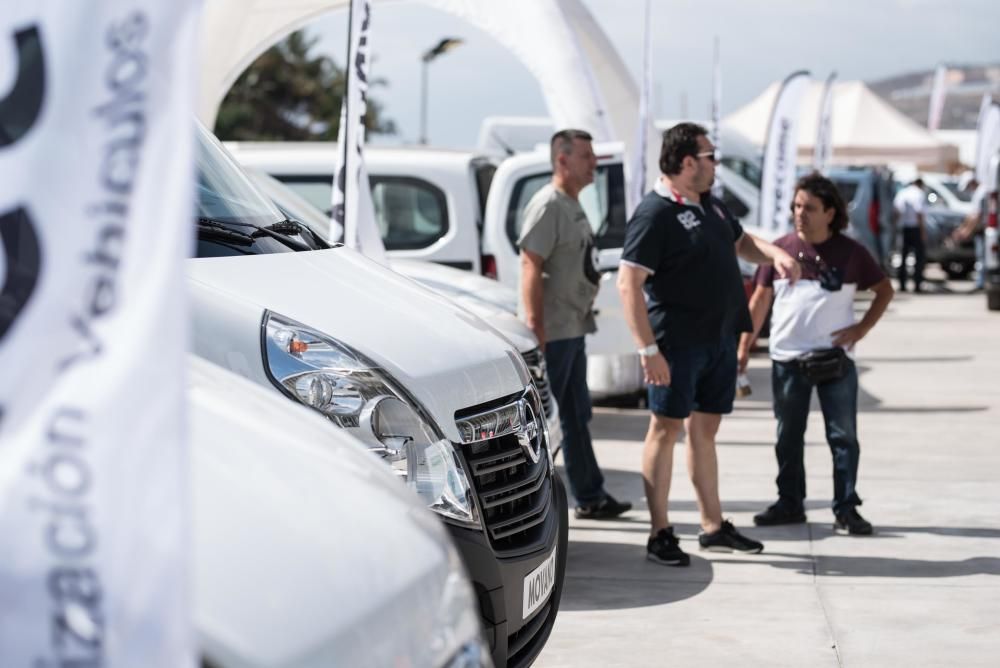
(357, 395)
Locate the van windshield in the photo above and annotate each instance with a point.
(233, 217)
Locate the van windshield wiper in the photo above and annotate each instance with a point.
(294, 227)
(213, 229)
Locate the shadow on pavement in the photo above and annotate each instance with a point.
(881, 567)
(644, 583)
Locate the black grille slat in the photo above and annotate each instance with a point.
(520, 520)
(519, 491)
(513, 463)
(535, 359)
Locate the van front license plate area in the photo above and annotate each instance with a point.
(538, 586)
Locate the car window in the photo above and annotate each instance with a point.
(964, 195)
(750, 171)
(847, 190)
(734, 204)
(411, 213)
(314, 189)
(602, 202)
(230, 210)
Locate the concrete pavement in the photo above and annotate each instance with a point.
(924, 591)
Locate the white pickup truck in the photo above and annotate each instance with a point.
(465, 209)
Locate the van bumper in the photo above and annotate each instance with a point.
(499, 585)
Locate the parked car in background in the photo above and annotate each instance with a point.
(945, 212)
(430, 388)
(307, 551)
(868, 192)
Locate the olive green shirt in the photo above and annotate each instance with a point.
(556, 228)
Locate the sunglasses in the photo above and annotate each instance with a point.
(711, 155)
(829, 277)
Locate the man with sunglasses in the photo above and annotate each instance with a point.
(817, 314)
(684, 302)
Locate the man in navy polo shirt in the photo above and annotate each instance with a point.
(684, 302)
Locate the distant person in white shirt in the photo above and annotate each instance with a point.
(911, 206)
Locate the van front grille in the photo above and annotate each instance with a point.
(509, 471)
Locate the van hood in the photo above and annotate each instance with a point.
(292, 519)
(446, 357)
(492, 301)
(448, 281)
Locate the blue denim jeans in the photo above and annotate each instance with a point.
(566, 360)
(839, 402)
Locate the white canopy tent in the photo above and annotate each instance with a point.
(584, 81)
(866, 130)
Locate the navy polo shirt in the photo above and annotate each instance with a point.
(694, 291)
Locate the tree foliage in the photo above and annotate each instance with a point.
(287, 94)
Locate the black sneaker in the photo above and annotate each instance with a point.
(852, 523)
(779, 513)
(605, 509)
(664, 548)
(728, 539)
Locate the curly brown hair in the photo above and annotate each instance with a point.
(825, 191)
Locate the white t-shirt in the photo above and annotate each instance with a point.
(909, 202)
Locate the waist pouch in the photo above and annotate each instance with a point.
(822, 366)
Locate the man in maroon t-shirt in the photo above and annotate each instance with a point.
(816, 313)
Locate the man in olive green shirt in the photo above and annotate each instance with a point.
(559, 281)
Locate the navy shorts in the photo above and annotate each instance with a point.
(702, 378)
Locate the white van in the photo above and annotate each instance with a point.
(274, 586)
(465, 209)
(431, 388)
(488, 299)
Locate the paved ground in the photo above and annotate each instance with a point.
(924, 591)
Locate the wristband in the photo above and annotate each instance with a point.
(649, 350)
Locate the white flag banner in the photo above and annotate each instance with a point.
(823, 149)
(938, 91)
(637, 171)
(987, 138)
(780, 147)
(353, 208)
(96, 202)
(716, 130)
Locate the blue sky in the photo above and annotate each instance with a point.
(760, 42)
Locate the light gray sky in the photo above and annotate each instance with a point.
(761, 42)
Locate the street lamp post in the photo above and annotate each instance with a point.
(445, 44)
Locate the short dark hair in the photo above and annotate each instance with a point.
(679, 142)
(825, 191)
(562, 142)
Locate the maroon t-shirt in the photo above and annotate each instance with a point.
(844, 257)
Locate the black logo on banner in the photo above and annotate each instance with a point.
(20, 108)
(24, 259)
(19, 111)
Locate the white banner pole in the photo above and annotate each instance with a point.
(716, 131)
(638, 176)
(823, 150)
(780, 149)
(353, 208)
(936, 101)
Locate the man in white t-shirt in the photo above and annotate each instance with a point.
(816, 313)
(911, 207)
